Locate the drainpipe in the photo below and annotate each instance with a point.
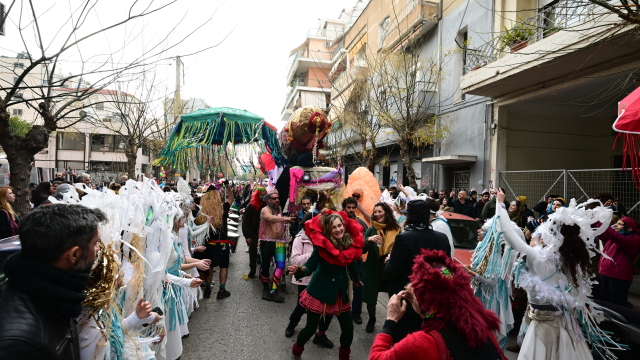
(436, 147)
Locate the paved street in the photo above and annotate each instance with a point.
(244, 326)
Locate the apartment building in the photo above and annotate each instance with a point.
(308, 75)
(82, 147)
(554, 80)
(445, 28)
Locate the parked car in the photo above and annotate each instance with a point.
(465, 235)
(623, 325)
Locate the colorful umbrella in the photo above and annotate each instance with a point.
(208, 137)
(628, 126)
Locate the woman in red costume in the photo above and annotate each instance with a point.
(337, 242)
(456, 325)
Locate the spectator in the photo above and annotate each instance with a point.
(41, 193)
(445, 205)
(452, 316)
(515, 213)
(479, 206)
(379, 240)
(490, 208)
(297, 225)
(432, 194)
(83, 181)
(46, 282)
(462, 205)
(115, 187)
(526, 213)
(622, 244)
(614, 204)
(542, 206)
(473, 197)
(417, 236)
(8, 219)
(439, 223)
(442, 196)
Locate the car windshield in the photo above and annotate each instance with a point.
(465, 233)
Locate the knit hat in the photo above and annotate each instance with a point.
(522, 199)
(418, 211)
(631, 224)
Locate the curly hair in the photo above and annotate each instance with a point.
(390, 220)
(574, 253)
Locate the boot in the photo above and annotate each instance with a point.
(323, 341)
(291, 328)
(277, 297)
(371, 309)
(207, 292)
(266, 295)
(296, 351)
(343, 354)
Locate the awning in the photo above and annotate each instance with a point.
(304, 45)
(628, 120)
(450, 159)
(358, 45)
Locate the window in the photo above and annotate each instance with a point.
(70, 165)
(45, 82)
(100, 106)
(327, 44)
(383, 31)
(16, 112)
(18, 65)
(146, 148)
(71, 141)
(101, 142)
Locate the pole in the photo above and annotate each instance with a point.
(177, 103)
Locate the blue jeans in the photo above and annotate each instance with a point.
(356, 307)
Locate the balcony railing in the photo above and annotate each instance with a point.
(564, 15)
(404, 20)
(325, 33)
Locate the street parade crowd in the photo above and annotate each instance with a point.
(116, 271)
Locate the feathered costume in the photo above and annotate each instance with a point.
(561, 316)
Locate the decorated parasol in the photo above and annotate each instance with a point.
(628, 126)
(207, 138)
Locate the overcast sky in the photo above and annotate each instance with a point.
(247, 70)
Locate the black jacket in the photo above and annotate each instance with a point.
(251, 223)
(464, 209)
(408, 244)
(31, 329)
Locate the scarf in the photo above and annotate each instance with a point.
(388, 237)
(61, 289)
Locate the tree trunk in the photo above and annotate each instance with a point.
(20, 161)
(406, 160)
(132, 156)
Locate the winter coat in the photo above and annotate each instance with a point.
(373, 269)
(301, 252)
(477, 209)
(250, 223)
(409, 244)
(464, 209)
(490, 209)
(623, 249)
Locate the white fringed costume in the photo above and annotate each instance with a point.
(567, 333)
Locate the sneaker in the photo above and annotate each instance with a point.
(290, 330)
(251, 275)
(223, 293)
(277, 297)
(207, 292)
(185, 337)
(323, 341)
(266, 295)
(357, 319)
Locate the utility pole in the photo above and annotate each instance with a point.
(177, 103)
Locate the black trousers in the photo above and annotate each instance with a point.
(253, 255)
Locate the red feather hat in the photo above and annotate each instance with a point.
(446, 293)
(341, 257)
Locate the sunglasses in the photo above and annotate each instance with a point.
(356, 196)
(274, 198)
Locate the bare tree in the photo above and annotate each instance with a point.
(627, 10)
(45, 50)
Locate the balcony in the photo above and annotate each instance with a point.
(297, 85)
(417, 16)
(324, 33)
(560, 41)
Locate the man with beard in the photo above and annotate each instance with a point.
(47, 282)
(298, 224)
(251, 226)
(273, 243)
(349, 205)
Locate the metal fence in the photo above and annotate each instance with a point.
(578, 184)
